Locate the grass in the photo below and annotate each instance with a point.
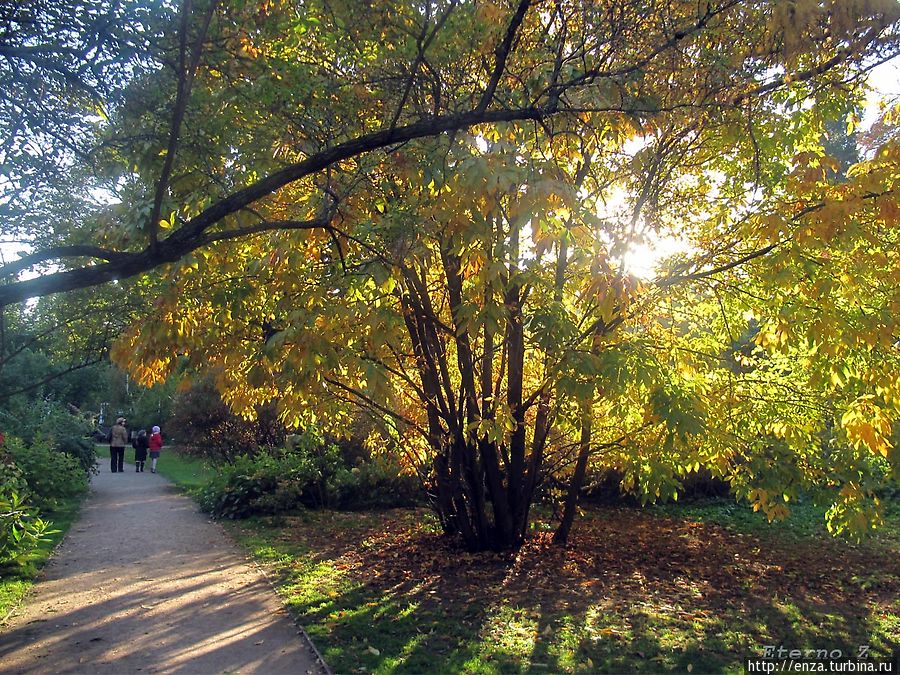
(694, 588)
(188, 473)
(17, 580)
(806, 520)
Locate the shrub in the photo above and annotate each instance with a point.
(264, 484)
(58, 421)
(208, 429)
(310, 473)
(49, 474)
(80, 449)
(376, 483)
(20, 527)
(234, 492)
(66, 432)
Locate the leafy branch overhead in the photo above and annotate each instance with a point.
(430, 213)
(550, 63)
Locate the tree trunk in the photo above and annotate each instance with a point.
(561, 536)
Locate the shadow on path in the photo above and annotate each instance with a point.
(144, 582)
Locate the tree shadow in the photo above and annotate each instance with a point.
(633, 592)
(163, 595)
(151, 631)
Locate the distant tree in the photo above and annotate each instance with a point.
(206, 427)
(842, 146)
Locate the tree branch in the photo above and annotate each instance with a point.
(804, 75)
(266, 226)
(705, 274)
(671, 281)
(362, 399)
(502, 52)
(191, 235)
(424, 42)
(185, 82)
(58, 253)
(31, 386)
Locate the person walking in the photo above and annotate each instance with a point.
(140, 444)
(156, 443)
(118, 438)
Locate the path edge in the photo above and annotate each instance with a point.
(50, 559)
(294, 617)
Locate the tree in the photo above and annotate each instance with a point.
(413, 72)
(469, 286)
(49, 352)
(208, 428)
(60, 65)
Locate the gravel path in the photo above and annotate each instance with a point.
(145, 583)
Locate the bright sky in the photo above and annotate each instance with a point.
(885, 83)
(644, 258)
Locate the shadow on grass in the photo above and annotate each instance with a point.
(633, 592)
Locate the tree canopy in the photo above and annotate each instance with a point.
(426, 211)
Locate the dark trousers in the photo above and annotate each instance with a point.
(116, 459)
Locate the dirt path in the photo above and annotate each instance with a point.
(145, 583)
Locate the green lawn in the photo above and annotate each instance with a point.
(657, 590)
(16, 580)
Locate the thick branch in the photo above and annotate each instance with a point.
(266, 226)
(502, 52)
(185, 82)
(58, 253)
(192, 235)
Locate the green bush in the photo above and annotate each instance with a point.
(67, 432)
(311, 473)
(20, 527)
(235, 491)
(81, 449)
(50, 475)
(376, 483)
(264, 484)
